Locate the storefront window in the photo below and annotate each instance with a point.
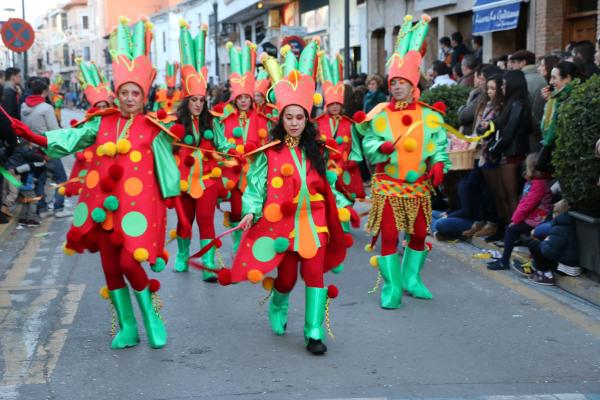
(315, 20)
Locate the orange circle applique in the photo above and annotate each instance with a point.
(133, 186)
(91, 179)
(272, 212)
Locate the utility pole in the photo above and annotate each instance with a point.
(25, 52)
(216, 14)
(347, 39)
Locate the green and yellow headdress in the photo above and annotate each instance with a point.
(194, 72)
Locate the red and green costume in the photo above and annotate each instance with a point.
(168, 98)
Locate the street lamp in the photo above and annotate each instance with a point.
(260, 5)
(216, 14)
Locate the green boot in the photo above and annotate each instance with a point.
(314, 333)
(391, 292)
(128, 333)
(155, 328)
(208, 260)
(183, 253)
(338, 269)
(236, 236)
(412, 263)
(278, 311)
(346, 226)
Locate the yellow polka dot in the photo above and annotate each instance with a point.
(346, 139)
(391, 170)
(277, 182)
(135, 156)
(231, 140)
(91, 179)
(410, 144)
(380, 124)
(430, 147)
(323, 137)
(239, 148)
(432, 121)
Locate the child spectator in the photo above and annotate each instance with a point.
(533, 207)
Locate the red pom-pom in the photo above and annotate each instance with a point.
(154, 285)
(439, 106)
(218, 243)
(73, 122)
(74, 235)
(68, 192)
(93, 110)
(219, 108)
(161, 114)
(331, 143)
(170, 203)
(115, 172)
(224, 277)
(407, 120)
(429, 246)
(178, 130)
(288, 208)
(117, 238)
(348, 240)
(332, 291)
(359, 116)
(93, 248)
(335, 156)
(223, 192)
(387, 148)
(79, 156)
(188, 161)
(249, 147)
(107, 185)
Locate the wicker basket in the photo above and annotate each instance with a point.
(462, 159)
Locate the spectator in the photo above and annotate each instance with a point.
(560, 246)
(477, 43)
(561, 84)
(534, 206)
(459, 50)
(511, 143)
(501, 62)
(457, 72)
(584, 51)
(11, 91)
(40, 118)
(375, 95)
(441, 75)
(466, 113)
(8, 142)
(545, 65)
(468, 65)
(445, 51)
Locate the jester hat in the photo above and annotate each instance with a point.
(130, 52)
(332, 76)
(171, 74)
(294, 80)
(262, 83)
(406, 60)
(194, 73)
(95, 87)
(243, 63)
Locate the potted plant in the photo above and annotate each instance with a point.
(577, 166)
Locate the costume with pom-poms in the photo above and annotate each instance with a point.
(168, 98)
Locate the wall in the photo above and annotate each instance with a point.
(548, 26)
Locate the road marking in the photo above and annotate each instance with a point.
(568, 313)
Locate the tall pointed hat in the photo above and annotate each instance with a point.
(95, 87)
(130, 52)
(331, 74)
(406, 60)
(262, 83)
(171, 74)
(293, 80)
(243, 63)
(194, 73)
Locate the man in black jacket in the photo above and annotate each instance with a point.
(459, 50)
(10, 96)
(8, 142)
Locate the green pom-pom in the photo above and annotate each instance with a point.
(271, 97)
(281, 244)
(269, 115)
(238, 132)
(331, 177)
(353, 196)
(208, 134)
(111, 203)
(339, 140)
(188, 139)
(98, 215)
(159, 265)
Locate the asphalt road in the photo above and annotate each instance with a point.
(486, 334)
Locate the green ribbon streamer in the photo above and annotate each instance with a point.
(10, 178)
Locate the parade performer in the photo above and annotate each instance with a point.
(56, 96)
(289, 210)
(261, 87)
(168, 98)
(405, 141)
(121, 210)
(100, 97)
(199, 158)
(242, 126)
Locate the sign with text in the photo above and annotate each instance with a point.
(493, 16)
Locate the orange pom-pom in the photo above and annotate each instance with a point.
(173, 233)
(287, 169)
(255, 276)
(262, 133)
(104, 292)
(230, 185)
(267, 283)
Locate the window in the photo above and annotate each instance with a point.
(86, 53)
(40, 64)
(63, 21)
(84, 22)
(199, 19)
(248, 32)
(164, 37)
(315, 20)
(260, 30)
(48, 57)
(66, 54)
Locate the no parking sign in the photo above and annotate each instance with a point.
(17, 35)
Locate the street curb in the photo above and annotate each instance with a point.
(580, 286)
(6, 229)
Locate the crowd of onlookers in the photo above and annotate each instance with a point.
(27, 170)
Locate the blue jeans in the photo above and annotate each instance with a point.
(56, 168)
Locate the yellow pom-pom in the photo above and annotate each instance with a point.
(227, 219)
(339, 171)
(104, 292)
(148, 25)
(317, 99)
(408, 18)
(80, 190)
(374, 261)
(173, 233)
(184, 186)
(267, 283)
(255, 276)
(124, 20)
(100, 151)
(410, 144)
(184, 24)
(231, 140)
(284, 50)
(240, 148)
(61, 190)
(216, 172)
(123, 146)
(140, 254)
(67, 250)
(229, 45)
(110, 149)
(228, 108)
(368, 248)
(344, 214)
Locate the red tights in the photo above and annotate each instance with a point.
(389, 232)
(236, 205)
(118, 264)
(311, 269)
(204, 211)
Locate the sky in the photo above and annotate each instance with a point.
(33, 8)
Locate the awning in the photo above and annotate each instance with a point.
(495, 15)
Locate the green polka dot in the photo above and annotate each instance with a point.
(188, 139)
(134, 224)
(339, 140)
(82, 173)
(346, 178)
(263, 249)
(80, 214)
(412, 176)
